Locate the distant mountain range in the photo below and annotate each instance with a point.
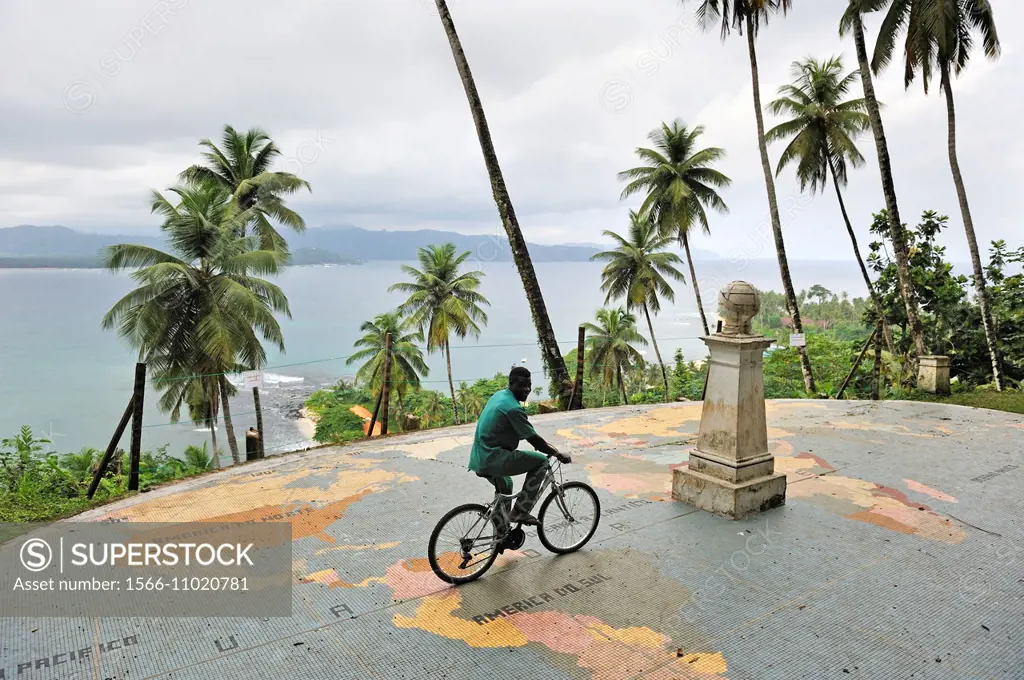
(57, 246)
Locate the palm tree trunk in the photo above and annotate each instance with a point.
(259, 420)
(657, 352)
(972, 241)
(451, 385)
(780, 246)
(886, 331)
(622, 385)
(399, 411)
(550, 354)
(212, 407)
(228, 427)
(213, 433)
(896, 233)
(693, 280)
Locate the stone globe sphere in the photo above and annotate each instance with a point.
(738, 303)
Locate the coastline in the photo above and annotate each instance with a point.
(306, 423)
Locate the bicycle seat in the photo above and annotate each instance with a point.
(490, 479)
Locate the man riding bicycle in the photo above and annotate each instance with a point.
(502, 425)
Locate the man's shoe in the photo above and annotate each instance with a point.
(525, 518)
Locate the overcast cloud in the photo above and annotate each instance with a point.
(103, 101)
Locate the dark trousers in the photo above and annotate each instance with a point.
(499, 473)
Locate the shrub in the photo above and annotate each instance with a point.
(338, 424)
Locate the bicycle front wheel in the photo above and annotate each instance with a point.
(566, 528)
(464, 544)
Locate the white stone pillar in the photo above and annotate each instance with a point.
(731, 472)
(933, 374)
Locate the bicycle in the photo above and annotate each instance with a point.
(497, 515)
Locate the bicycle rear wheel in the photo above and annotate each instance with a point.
(564, 533)
(463, 544)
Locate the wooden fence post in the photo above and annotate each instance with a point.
(111, 447)
(860, 357)
(877, 370)
(259, 419)
(376, 412)
(385, 389)
(576, 399)
(137, 403)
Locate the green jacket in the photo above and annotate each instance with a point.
(502, 425)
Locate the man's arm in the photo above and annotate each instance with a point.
(521, 423)
(537, 442)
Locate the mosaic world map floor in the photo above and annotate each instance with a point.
(899, 553)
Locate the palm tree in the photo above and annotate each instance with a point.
(82, 465)
(610, 346)
(471, 401)
(407, 365)
(680, 185)
(198, 460)
(852, 22)
(198, 310)
(202, 407)
(636, 271)
(434, 410)
(443, 301)
(551, 356)
(939, 39)
(242, 167)
(749, 15)
(823, 127)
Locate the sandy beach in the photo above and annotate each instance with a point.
(306, 423)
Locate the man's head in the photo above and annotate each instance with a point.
(519, 382)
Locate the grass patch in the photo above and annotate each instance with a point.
(1009, 401)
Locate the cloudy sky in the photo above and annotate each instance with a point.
(102, 102)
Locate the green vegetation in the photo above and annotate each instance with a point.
(636, 271)
(679, 186)
(312, 256)
(336, 423)
(442, 301)
(939, 40)
(36, 485)
(609, 345)
(748, 17)
(242, 169)
(952, 320)
(1011, 401)
(823, 128)
(200, 308)
(407, 365)
(841, 315)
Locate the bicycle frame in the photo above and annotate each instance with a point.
(502, 504)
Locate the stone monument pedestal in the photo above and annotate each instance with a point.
(731, 472)
(933, 374)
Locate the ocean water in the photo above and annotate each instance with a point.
(68, 379)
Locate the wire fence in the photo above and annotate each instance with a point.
(278, 367)
(383, 398)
